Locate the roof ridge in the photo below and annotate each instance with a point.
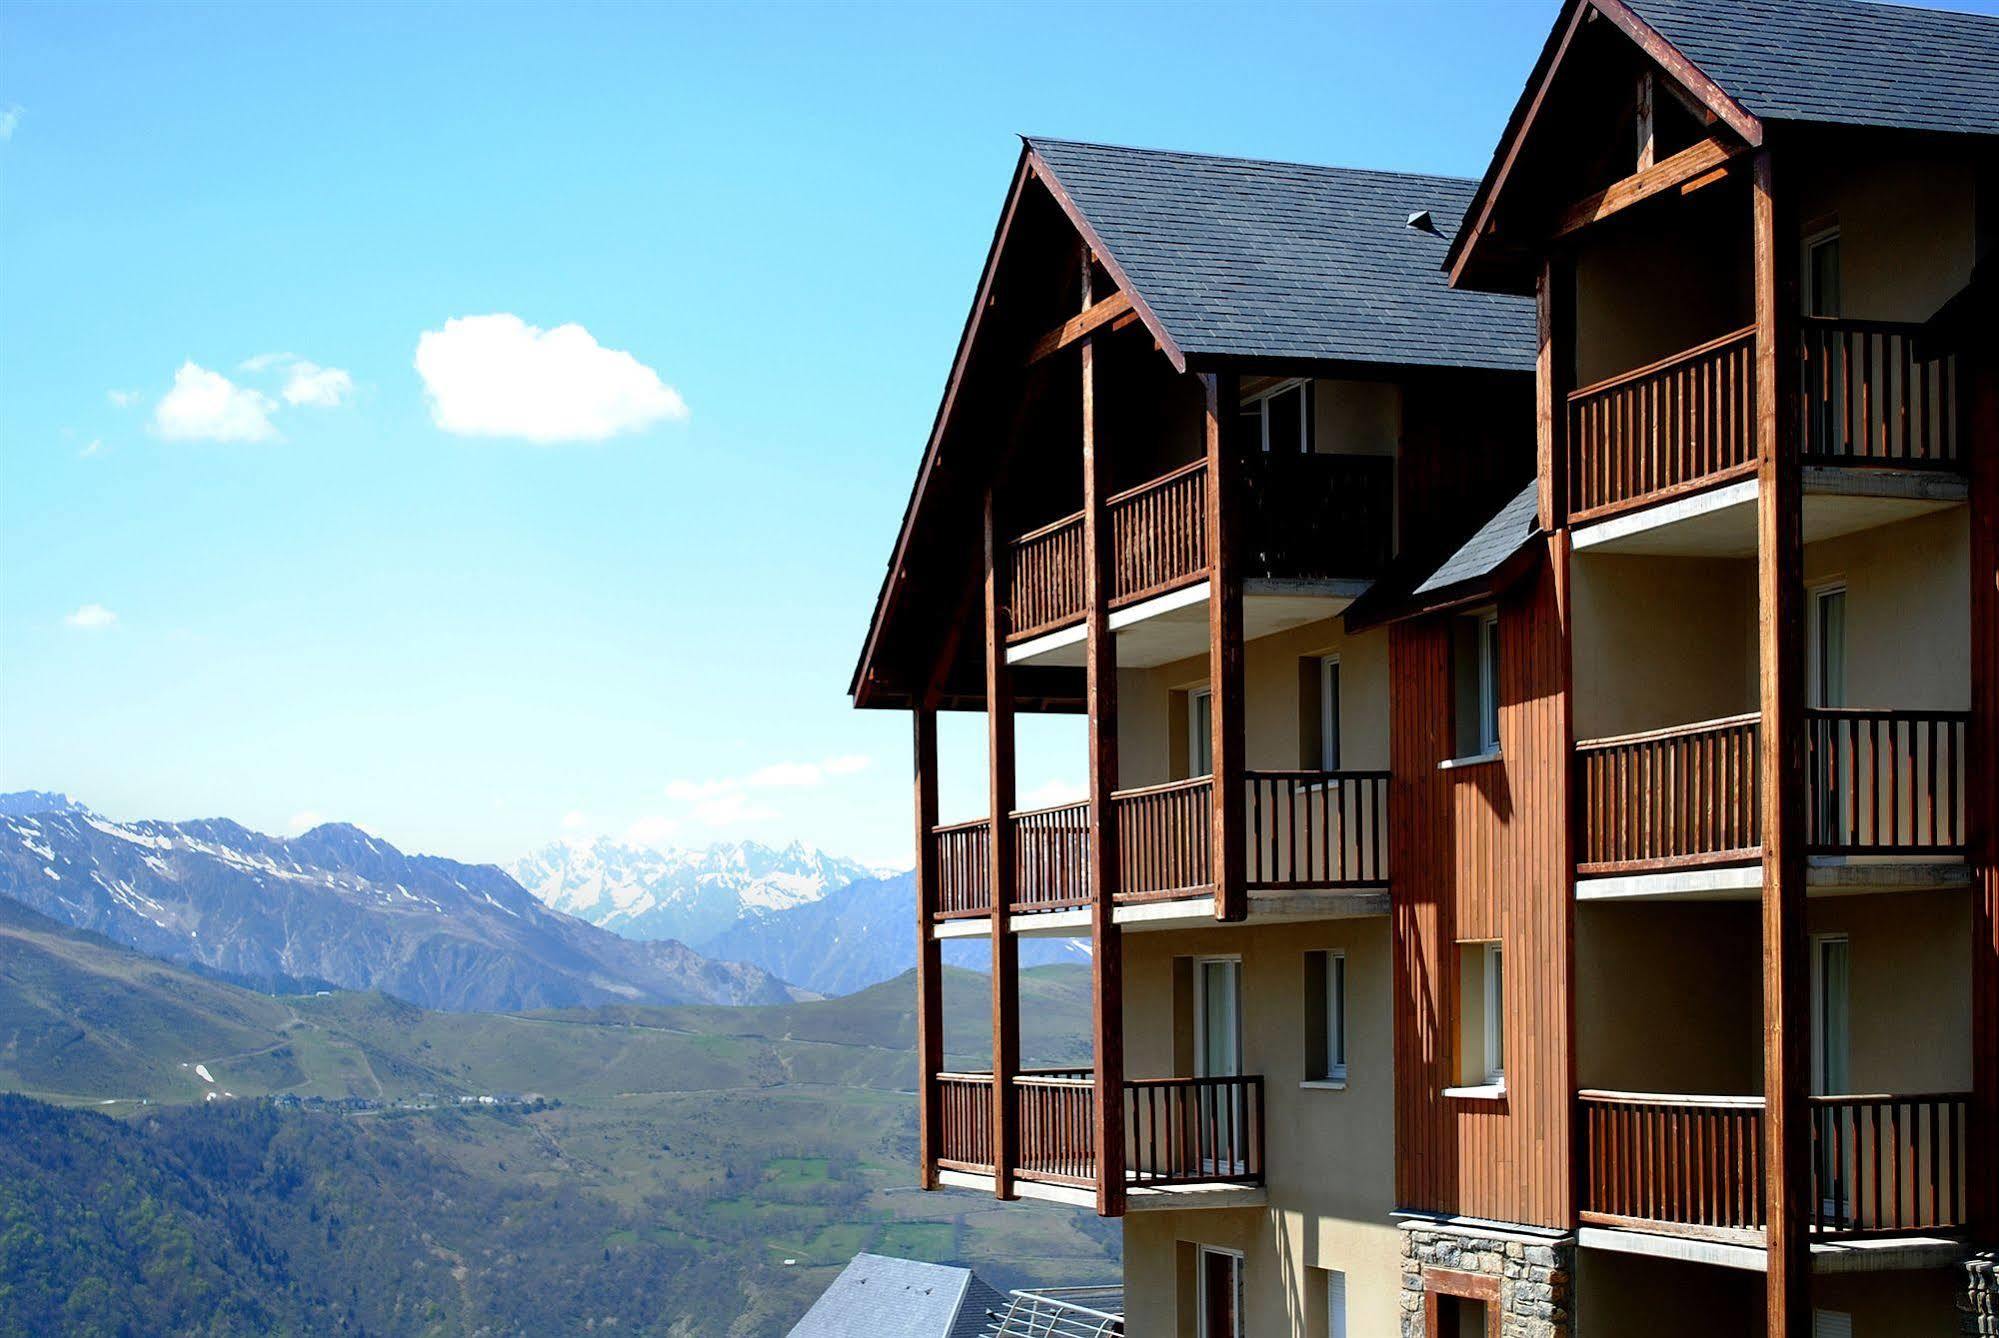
(1255, 162)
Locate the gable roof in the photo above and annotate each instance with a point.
(1240, 258)
(1473, 570)
(1841, 62)
(879, 1296)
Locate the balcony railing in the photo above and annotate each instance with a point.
(964, 868)
(1868, 401)
(1688, 422)
(1317, 829)
(1881, 1165)
(1165, 837)
(1878, 783)
(1052, 858)
(1178, 1131)
(1314, 516)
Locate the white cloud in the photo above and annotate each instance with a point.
(91, 617)
(95, 446)
(208, 406)
(318, 387)
(10, 120)
(305, 821)
(123, 399)
(498, 376)
(729, 801)
(653, 830)
(576, 820)
(731, 809)
(1052, 792)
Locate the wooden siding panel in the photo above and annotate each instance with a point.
(1480, 852)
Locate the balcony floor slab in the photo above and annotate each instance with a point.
(1860, 1256)
(1174, 626)
(1825, 876)
(1721, 522)
(1184, 913)
(1138, 1198)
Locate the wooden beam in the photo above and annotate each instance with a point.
(1000, 800)
(1228, 852)
(1781, 742)
(1981, 416)
(1684, 72)
(1647, 130)
(1079, 326)
(1554, 307)
(1106, 939)
(1687, 165)
(929, 957)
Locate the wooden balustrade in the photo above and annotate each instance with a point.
(1888, 1165)
(1670, 427)
(1670, 798)
(1159, 534)
(1052, 857)
(1194, 1130)
(1317, 516)
(1689, 1162)
(1885, 782)
(1164, 838)
(1045, 588)
(1317, 829)
(1866, 400)
(965, 1121)
(964, 868)
(1056, 1116)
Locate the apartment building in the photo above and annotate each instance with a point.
(1539, 640)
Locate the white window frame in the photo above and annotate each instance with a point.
(1261, 399)
(1819, 1039)
(1807, 289)
(1336, 1015)
(1336, 1303)
(1329, 713)
(1234, 963)
(1201, 1288)
(1491, 979)
(1200, 740)
(1488, 683)
(1815, 648)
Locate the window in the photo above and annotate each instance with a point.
(1831, 1032)
(1336, 1303)
(1325, 1017)
(1831, 1324)
(1200, 732)
(1481, 1017)
(1329, 713)
(1475, 684)
(1221, 1293)
(1217, 1017)
(1280, 419)
(1822, 273)
(1828, 646)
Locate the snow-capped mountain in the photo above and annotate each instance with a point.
(336, 906)
(692, 895)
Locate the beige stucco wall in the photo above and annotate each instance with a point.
(1661, 641)
(1152, 726)
(1330, 1160)
(1656, 282)
(1909, 1007)
(1672, 997)
(1906, 229)
(1908, 610)
(1629, 1296)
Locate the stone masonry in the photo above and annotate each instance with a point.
(1981, 1296)
(1535, 1273)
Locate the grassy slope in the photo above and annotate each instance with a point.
(755, 1135)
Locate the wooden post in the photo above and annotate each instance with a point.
(1106, 941)
(1648, 147)
(929, 959)
(1980, 367)
(1781, 667)
(1554, 360)
(1000, 797)
(1225, 685)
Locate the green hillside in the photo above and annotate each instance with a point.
(768, 1143)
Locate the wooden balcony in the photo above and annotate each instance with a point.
(1882, 1165)
(1306, 517)
(1687, 423)
(1178, 1131)
(1879, 783)
(1305, 830)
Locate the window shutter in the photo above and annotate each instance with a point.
(1831, 1324)
(1336, 1304)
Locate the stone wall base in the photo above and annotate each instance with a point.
(1530, 1277)
(1980, 1303)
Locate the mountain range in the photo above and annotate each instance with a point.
(336, 907)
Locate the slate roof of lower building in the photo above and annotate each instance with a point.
(1238, 257)
(1416, 582)
(880, 1296)
(1847, 62)
(1495, 541)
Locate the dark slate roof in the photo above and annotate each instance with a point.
(1243, 258)
(878, 1296)
(1497, 540)
(1841, 61)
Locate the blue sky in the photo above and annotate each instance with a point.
(239, 222)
